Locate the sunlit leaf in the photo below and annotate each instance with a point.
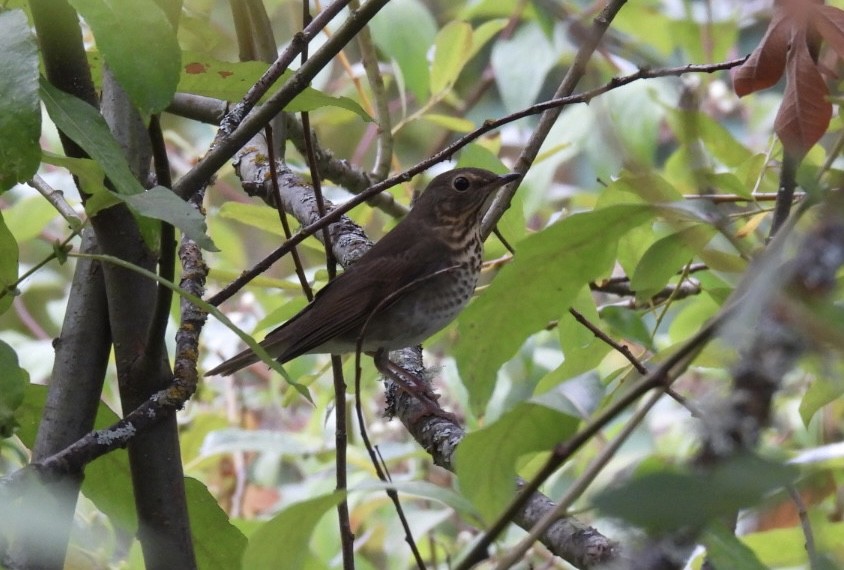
(667, 257)
(204, 75)
(486, 459)
(284, 540)
(452, 49)
(557, 262)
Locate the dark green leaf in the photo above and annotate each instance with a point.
(8, 266)
(13, 383)
(20, 110)
(61, 251)
(628, 324)
(162, 204)
(87, 128)
(139, 44)
(557, 262)
(661, 502)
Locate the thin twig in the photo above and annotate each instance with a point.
(282, 216)
(578, 486)
(806, 525)
(56, 198)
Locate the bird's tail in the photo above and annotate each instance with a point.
(234, 363)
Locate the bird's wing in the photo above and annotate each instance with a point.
(342, 307)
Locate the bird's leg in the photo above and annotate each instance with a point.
(412, 385)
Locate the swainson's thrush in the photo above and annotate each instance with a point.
(408, 286)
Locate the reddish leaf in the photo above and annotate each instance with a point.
(765, 65)
(805, 111)
(829, 22)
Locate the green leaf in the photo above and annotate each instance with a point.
(20, 109)
(823, 389)
(582, 349)
(484, 33)
(13, 383)
(91, 179)
(725, 550)
(87, 128)
(456, 124)
(660, 502)
(452, 49)
(140, 47)
(218, 543)
(27, 218)
(665, 258)
(204, 75)
(729, 183)
(691, 126)
(629, 325)
(425, 490)
(253, 215)
(404, 30)
(162, 204)
(557, 262)
(9, 257)
(486, 459)
(786, 547)
(650, 187)
(284, 540)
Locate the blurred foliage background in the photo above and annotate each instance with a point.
(706, 164)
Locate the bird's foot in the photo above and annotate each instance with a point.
(414, 386)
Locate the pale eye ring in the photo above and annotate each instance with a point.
(461, 184)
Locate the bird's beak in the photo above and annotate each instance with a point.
(507, 178)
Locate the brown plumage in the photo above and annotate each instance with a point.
(408, 286)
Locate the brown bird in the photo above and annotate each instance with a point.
(408, 286)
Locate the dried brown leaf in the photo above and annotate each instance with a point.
(805, 112)
(766, 64)
(829, 22)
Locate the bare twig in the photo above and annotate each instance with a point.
(56, 198)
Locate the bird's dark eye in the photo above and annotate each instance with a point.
(461, 183)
